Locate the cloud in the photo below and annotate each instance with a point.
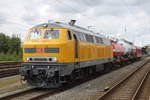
(2, 19)
(110, 16)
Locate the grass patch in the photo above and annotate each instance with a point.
(10, 57)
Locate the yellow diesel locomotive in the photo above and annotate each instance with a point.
(56, 53)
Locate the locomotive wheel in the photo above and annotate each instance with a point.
(123, 63)
(72, 77)
(55, 83)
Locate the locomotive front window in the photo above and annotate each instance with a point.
(51, 34)
(34, 34)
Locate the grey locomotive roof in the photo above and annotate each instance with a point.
(72, 27)
(63, 25)
(49, 25)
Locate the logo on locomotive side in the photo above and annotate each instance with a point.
(40, 50)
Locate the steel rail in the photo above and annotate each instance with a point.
(9, 72)
(9, 66)
(9, 63)
(16, 94)
(138, 90)
(122, 81)
(50, 93)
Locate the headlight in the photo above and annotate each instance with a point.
(53, 59)
(41, 59)
(29, 59)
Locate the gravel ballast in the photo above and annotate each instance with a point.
(92, 89)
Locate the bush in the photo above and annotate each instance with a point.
(10, 49)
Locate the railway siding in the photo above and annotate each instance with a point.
(125, 89)
(9, 69)
(143, 91)
(93, 89)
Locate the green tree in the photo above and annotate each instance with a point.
(14, 45)
(4, 43)
(10, 49)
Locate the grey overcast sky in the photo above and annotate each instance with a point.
(112, 17)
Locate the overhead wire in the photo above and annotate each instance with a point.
(74, 9)
(129, 10)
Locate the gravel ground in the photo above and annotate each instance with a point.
(94, 88)
(10, 84)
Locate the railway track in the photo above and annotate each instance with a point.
(38, 94)
(9, 63)
(143, 91)
(134, 86)
(9, 69)
(33, 94)
(28, 94)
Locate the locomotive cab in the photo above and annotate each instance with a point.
(48, 45)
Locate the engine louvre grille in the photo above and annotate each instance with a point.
(29, 50)
(44, 50)
(51, 50)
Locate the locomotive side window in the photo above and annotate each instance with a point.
(97, 40)
(51, 34)
(94, 38)
(69, 35)
(76, 37)
(34, 34)
(101, 40)
(84, 38)
(91, 39)
(80, 36)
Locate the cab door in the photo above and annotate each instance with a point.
(76, 46)
(71, 46)
(76, 52)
